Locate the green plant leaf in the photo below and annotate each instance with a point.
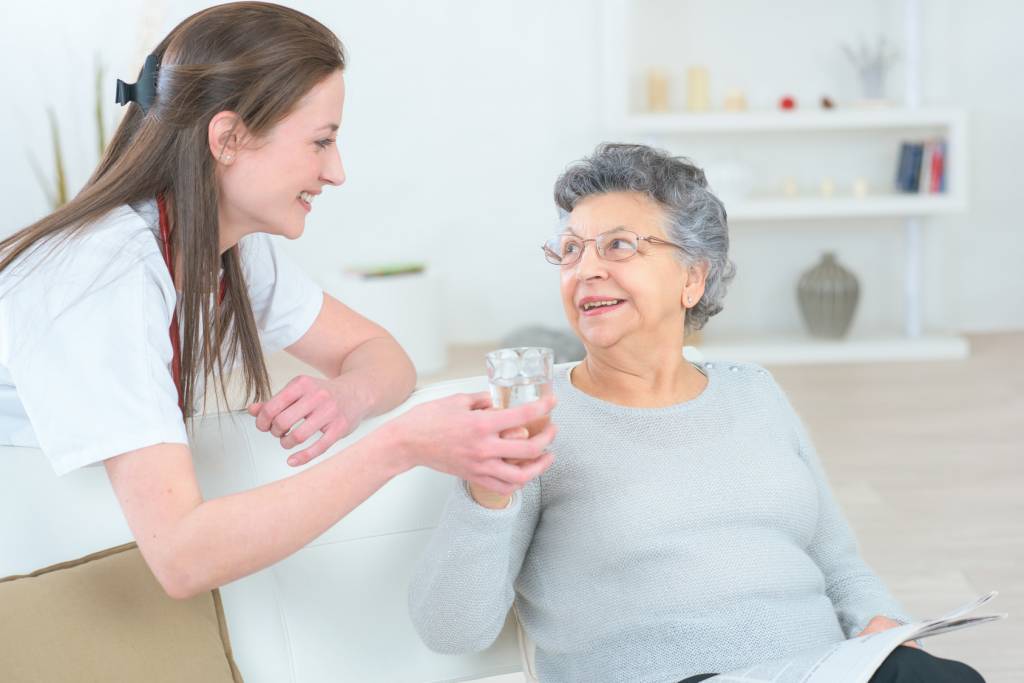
(101, 129)
(60, 177)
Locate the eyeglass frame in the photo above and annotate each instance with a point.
(600, 251)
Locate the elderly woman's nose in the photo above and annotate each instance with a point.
(590, 264)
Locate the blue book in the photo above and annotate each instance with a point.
(902, 167)
(914, 183)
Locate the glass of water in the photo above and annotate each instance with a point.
(521, 375)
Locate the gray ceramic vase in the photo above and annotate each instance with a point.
(828, 295)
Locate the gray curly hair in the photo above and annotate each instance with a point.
(696, 219)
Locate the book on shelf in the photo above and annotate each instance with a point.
(939, 168)
(921, 167)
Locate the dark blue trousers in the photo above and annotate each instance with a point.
(909, 665)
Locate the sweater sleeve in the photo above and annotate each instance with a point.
(463, 585)
(856, 592)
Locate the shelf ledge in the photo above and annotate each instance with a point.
(804, 350)
(844, 207)
(894, 118)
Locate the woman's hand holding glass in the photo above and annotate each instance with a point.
(461, 435)
(490, 498)
(517, 376)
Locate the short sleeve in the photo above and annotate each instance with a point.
(91, 361)
(285, 301)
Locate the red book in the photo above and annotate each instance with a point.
(938, 168)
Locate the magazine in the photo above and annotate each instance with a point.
(855, 660)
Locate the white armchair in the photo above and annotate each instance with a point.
(334, 611)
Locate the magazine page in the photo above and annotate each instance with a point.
(855, 660)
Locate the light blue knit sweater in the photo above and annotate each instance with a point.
(662, 543)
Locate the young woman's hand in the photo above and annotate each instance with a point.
(321, 405)
(493, 499)
(459, 436)
(879, 623)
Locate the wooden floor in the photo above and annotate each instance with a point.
(927, 460)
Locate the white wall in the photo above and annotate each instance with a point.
(460, 114)
(986, 246)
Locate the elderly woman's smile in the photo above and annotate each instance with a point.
(597, 305)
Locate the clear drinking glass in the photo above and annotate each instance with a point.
(521, 375)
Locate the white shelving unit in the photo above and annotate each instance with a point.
(876, 118)
(913, 343)
(950, 123)
(802, 349)
(875, 206)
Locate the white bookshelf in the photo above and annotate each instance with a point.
(873, 206)
(946, 122)
(911, 120)
(798, 349)
(867, 118)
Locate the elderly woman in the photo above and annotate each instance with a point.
(686, 526)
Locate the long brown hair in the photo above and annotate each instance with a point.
(255, 59)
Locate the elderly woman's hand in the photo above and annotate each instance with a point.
(879, 623)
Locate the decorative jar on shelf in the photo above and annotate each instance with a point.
(828, 295)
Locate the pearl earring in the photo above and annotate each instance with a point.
(689, 301)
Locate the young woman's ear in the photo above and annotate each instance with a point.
(225, 135)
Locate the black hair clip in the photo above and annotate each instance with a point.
(142, 92)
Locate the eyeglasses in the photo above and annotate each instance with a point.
(615, 245)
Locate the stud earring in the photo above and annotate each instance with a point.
(689, 301)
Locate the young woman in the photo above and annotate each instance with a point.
(116, 309)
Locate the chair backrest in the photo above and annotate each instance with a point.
(334, 611)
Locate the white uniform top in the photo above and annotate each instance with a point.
(85, 349)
